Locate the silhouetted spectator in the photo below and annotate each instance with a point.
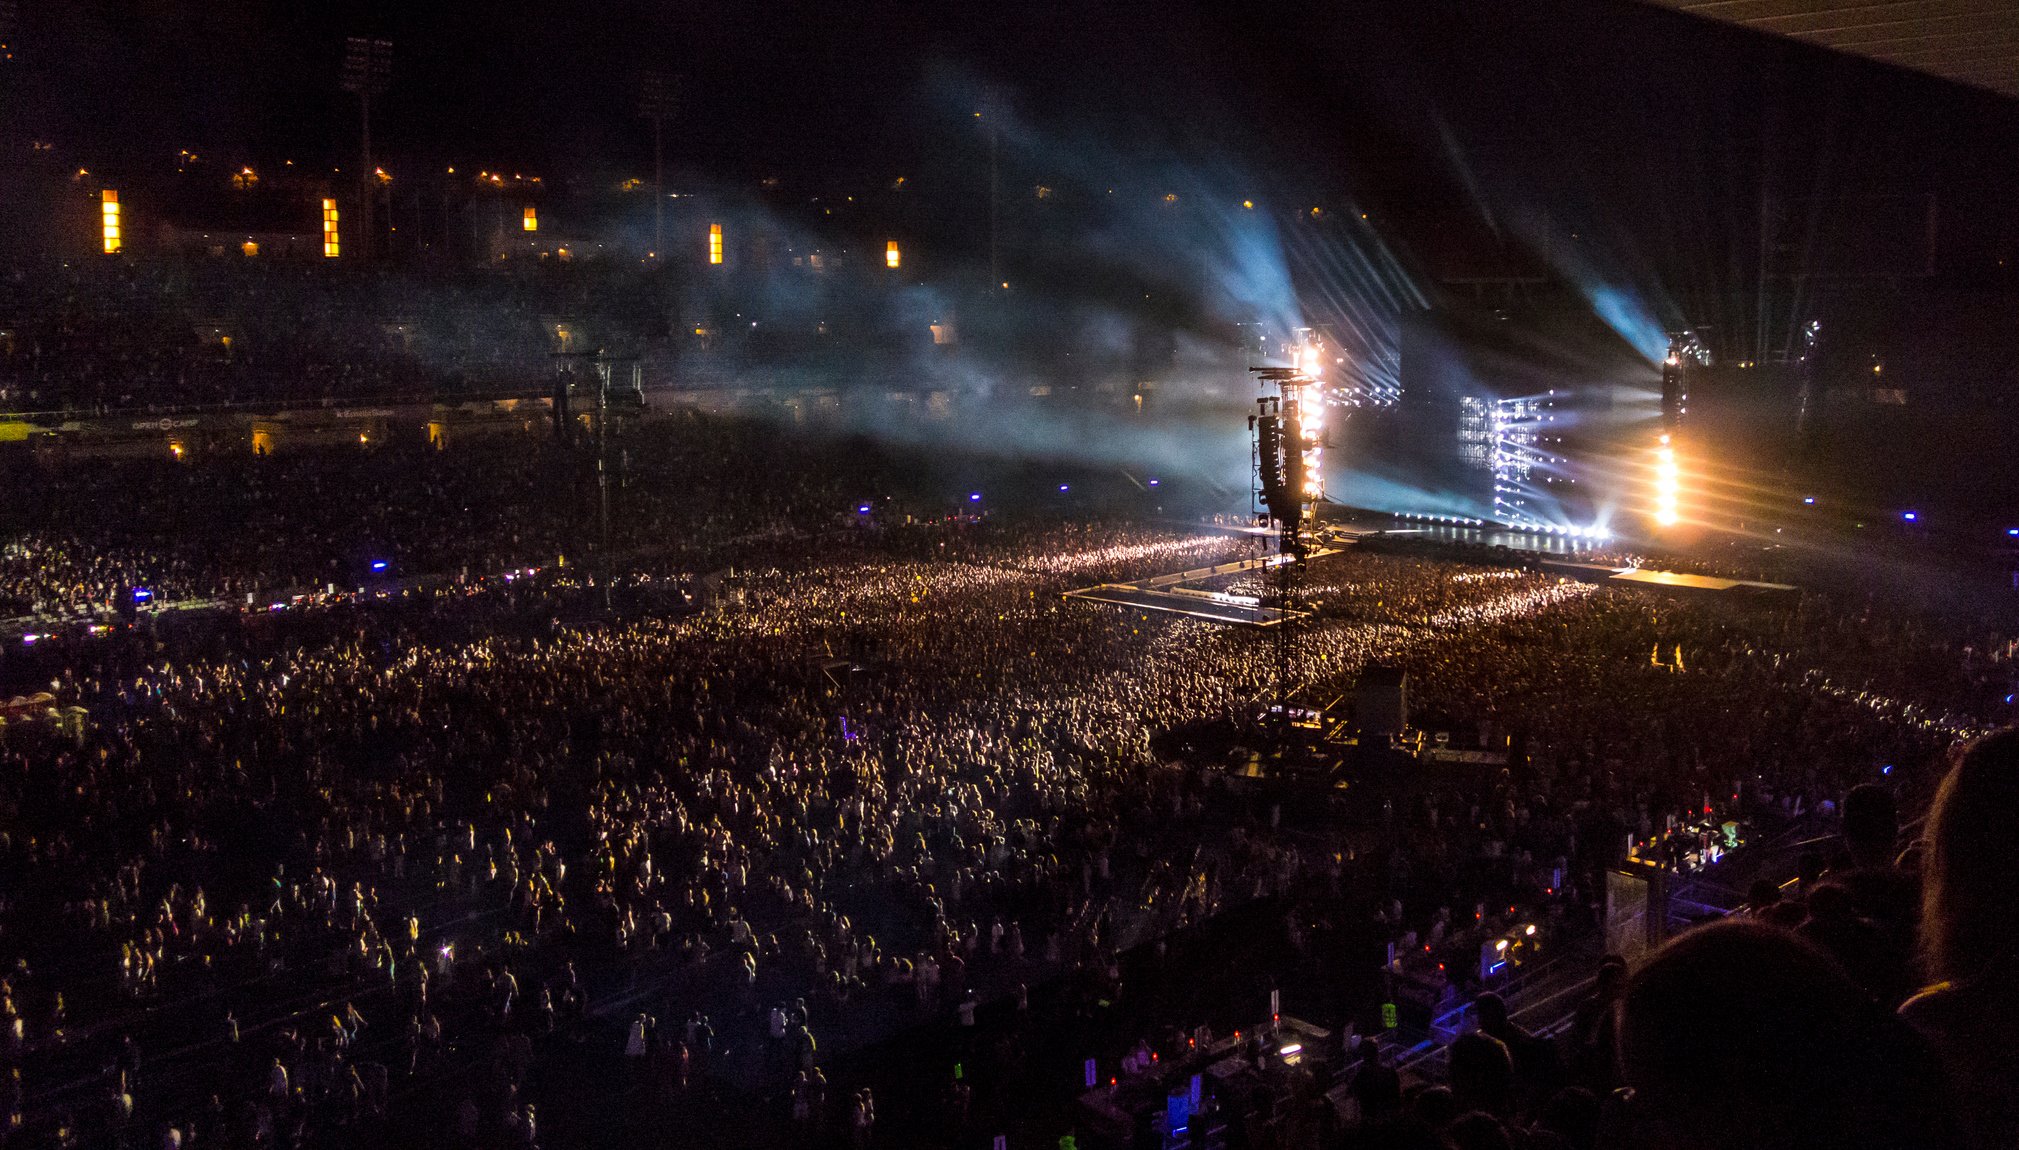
(1376, 1086)
(1571, 1117)
(1592, 1027)
(1535, 1064)
(1871, 826)
(1835, 927)
(1970, 937)
(1477, 1131)
(1482, 1074)
(1747, 1035)
(1434, 1106)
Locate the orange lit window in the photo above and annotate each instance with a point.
(714, 243)
(331, 246)
(532, 219)
(108, 207)
(890, 256)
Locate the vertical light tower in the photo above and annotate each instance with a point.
(368, 70)
(1684, 350)
(1289, 443)
(658, 100)
(991, 117)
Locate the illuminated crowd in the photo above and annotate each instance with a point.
(227, 524)
(363, 873)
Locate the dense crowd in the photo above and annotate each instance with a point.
(378, 873)
(230, 524)
(161, 334)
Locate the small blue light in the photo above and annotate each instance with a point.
(1154, 482)
(1910, 516)
(862, 510)
(1810, 499)
(2012, 531)
(1065, 487)
(974, 497)
(1887, 769)
(2008, 699)
(142, 594)
(378, 564)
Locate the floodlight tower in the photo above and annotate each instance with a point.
(1684, 350)
(1805, 411)
(631, 397)
(10, 15)
(991, 117)
(1289, 479)
(658, 101)
(1289, 427)
(368, 70)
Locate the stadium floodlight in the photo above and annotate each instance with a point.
(367, 72)
(658, 100)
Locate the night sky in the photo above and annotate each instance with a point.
(1477, 134)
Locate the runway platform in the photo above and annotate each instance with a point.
(1675, 582)
(1173, 594)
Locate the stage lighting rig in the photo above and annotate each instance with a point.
(1684, 351)
(1289, 430)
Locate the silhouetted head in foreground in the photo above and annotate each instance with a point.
(1751, 1037)
(1871, 824)
(1967, 922)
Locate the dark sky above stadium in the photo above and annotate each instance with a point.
(1453, 119)
(824, 85)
